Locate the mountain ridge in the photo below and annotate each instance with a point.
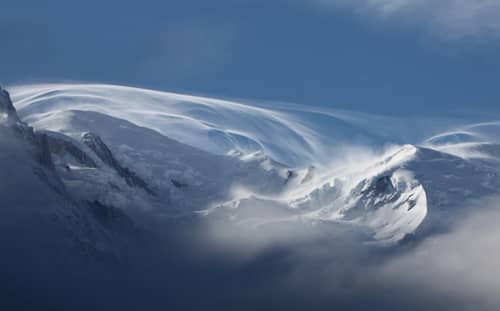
(128, 159)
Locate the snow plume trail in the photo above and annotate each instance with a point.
(291, 134)
(214, 125)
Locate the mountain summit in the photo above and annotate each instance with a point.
(8, 113)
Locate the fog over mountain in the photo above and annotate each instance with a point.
(124, 198)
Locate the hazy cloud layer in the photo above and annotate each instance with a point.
(453, 271)
(448, 19)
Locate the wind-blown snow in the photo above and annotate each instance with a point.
(264, 163)
(289, 134)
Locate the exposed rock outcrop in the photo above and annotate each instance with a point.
(95, 143)
(8, 115)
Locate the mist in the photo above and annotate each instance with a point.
(323, 267)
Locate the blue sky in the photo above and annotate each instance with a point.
(384, 56)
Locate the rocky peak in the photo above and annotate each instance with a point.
(8, 114)
(97, 145)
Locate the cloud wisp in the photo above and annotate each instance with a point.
(447, 19)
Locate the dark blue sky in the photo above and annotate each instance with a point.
(276, 50)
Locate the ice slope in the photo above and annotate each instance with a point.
(289, 135)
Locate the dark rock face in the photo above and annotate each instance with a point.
(289, 176)
(383, 185)
(380, 191)
(45, 145)
(61, 146)
(12, 122)
(10, 119)
(373, 194)
(95, 143)
(6, 107)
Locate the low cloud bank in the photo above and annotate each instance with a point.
(320, 269)
(460, 268)
(279, 266)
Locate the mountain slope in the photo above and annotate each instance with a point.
(172, 156)
(407, 191)
(40, 215)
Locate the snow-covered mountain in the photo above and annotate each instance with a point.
(41, 214)
(116, 198)
(159, 157)
(293, 135)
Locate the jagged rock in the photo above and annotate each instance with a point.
(95, 143)
(10, 119)
(8, 113)
(383, 185)
(289, 175)
(63, 146)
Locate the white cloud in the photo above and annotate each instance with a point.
(449, 19)
(462, 265)
(455, 270)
